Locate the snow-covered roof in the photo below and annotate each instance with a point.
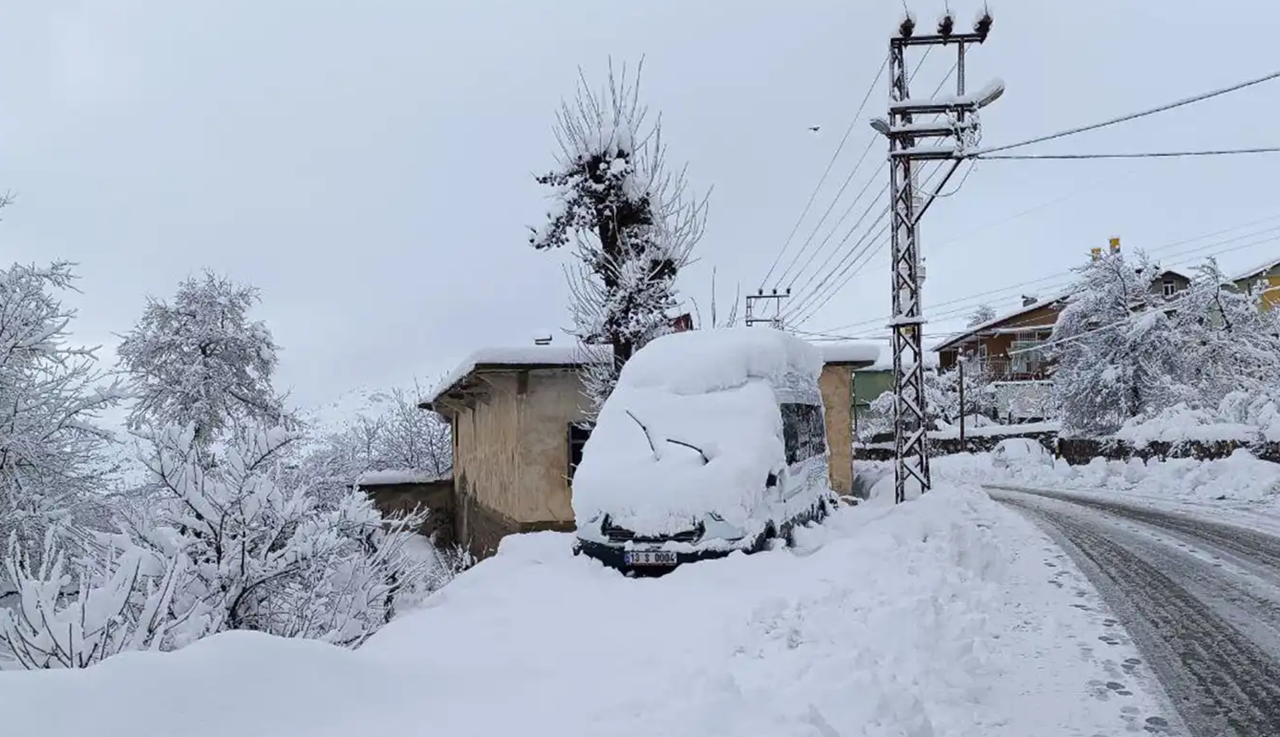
(533, 356)
(995, 321)
(1257, 270)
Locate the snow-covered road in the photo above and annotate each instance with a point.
(1200, 598)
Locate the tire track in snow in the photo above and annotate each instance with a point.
(1222, 680)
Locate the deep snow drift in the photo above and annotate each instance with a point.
(944, 617)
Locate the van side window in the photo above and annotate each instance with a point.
(578, 434)
(803, 431)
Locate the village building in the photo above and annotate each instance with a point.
(1266, 277)
(1009, 347)
(519, 430)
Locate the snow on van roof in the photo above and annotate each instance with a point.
(700, 361)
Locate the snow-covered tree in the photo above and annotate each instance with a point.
(1114, 348)
(53, 454)
(391, 434)
(1229, 342)
(202, 361)
(982, 313)
(631, 220)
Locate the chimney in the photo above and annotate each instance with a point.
(1115, 245)
(1095, 254)
(1028, 300)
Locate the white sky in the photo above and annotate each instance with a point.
(370, 165)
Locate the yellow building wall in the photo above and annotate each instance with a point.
(512, 449)
(836, 383)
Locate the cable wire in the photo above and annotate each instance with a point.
(848, 131)
(1130, 116)
(1143, 155)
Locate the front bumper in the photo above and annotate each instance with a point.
(613, 557)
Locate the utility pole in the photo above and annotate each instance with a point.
(766, 308)
(960, 122)
(960, 381)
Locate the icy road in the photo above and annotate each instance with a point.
(1200, 598)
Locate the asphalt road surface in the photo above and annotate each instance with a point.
(1201, 600)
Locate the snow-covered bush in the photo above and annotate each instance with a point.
(53, 455)
(630, 219)
(942, 399)
(223, 548)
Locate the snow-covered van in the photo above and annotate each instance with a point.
(713, 441)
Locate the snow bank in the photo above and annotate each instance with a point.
(1181, 424)
(1240, 481)
(932, 618)
(700, 361)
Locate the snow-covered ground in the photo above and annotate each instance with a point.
(950, 615)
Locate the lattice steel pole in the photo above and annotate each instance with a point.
(910, 451)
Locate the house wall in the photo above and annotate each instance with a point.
(513, 446)
(836, 384)
(998, 345)
(1270, 283)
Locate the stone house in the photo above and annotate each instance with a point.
(518, 433)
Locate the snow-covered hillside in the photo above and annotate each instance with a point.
(946, 616)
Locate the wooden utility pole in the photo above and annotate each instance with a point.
(906, 208)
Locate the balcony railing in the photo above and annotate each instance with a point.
(1006, 369)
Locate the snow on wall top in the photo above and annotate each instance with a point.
(551, 356)
(399, 476)
(884, 361)
(700, 361)
(849, 352)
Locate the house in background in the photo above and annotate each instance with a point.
(1265, 276)
(519, 430)
(1009, 347)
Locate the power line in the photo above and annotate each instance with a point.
(1130, 116)
(849, 209)
(809, 241)
(844, 185)
(848, 131)
(1144, 155)
(850, 261)
(974, 298)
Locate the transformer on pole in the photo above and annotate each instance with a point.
(960, 123)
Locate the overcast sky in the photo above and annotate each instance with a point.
(370, 165)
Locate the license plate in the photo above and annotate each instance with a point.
(649, 558)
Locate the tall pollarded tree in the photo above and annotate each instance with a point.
(632, 221)
(201, 361)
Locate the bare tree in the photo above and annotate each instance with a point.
(632, 221)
